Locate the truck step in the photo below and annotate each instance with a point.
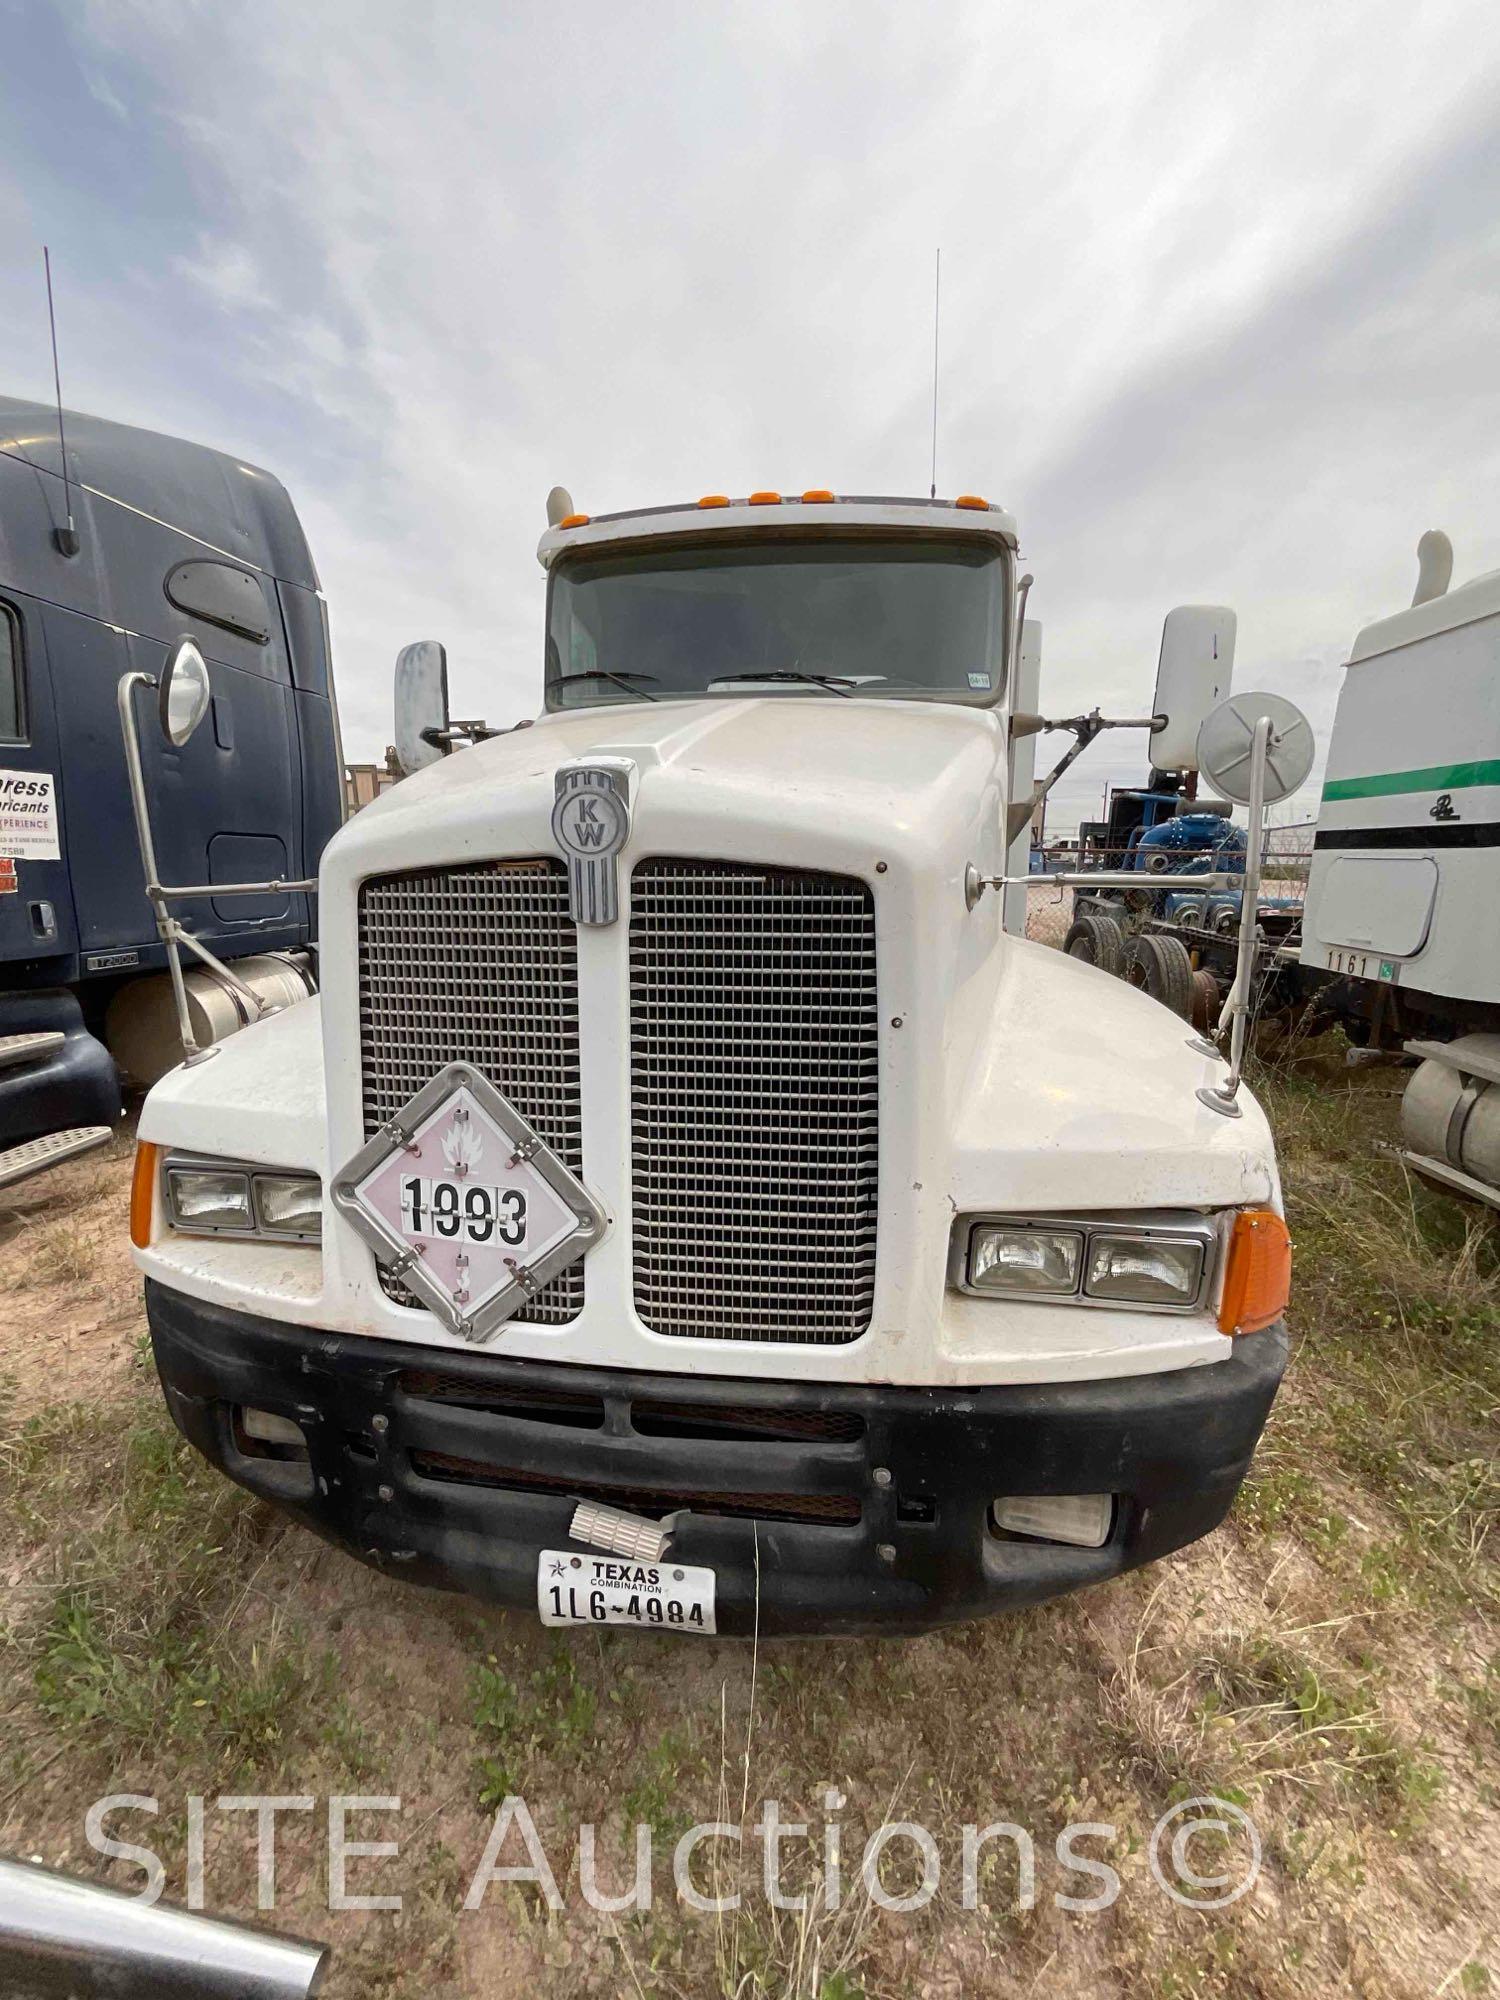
(29, 1048)
(50, 1151)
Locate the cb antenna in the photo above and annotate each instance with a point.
(937, 295)
(66, 538)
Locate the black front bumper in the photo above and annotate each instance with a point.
(860, 1508)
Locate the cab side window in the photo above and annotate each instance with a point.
(12, 681)
(222, 594)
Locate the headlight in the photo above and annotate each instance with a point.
(1159, 1260)
(204, 1198)
(289, 1204)
(1144, 1270)
(1003, 1258)
(209, 1198)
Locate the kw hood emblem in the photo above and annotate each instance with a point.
(591, 823)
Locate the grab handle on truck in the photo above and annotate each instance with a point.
(182, 702)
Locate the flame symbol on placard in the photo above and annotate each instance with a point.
(463, 1148)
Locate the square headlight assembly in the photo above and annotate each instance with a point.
(1155, 1262)
(1012, 1257)
(290, 1205)
(1135, 1268)
(210, 1200)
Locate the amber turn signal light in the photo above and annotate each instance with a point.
(1258, 1273)
(143, 1193)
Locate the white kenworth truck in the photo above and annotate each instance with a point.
(686, 1204)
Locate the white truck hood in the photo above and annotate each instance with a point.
(902, 766)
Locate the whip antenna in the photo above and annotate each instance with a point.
(65, 538)
(937, 294)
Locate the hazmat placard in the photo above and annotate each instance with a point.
(28, 816)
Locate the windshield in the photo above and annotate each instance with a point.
(910, 618)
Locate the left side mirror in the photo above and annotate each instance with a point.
(421, 705)
(183, 692)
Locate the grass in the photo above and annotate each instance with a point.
(61, 1252)
(127, 1640)
(1313, 1724)
(1398, 1312)
(1327, 1661)
(552, 1712)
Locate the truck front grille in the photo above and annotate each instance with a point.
(754, 1114)
(476, 964)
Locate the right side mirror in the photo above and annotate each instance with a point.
(421, 705)
(1192, 676)
(1226, 748)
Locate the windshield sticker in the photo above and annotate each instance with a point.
(979, 680)
(28, 816)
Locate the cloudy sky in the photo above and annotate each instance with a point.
(1221, 291)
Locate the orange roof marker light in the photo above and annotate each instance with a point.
(714, 500)
(974, 501)
(816, 494)
(574, 521)
(1258, 1272)
(765, 498)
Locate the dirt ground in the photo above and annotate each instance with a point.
(1325, 1663)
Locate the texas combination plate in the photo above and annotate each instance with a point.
(461, 1199)
(574, 1588)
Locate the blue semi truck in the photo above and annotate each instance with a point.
(148, 541)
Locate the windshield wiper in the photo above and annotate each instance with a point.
(837, 682)
(601, 674)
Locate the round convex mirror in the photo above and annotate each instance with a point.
(1227, 739)
(183, 693)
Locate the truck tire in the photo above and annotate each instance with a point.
(1097, 941)
(1161, 967)
(1206, 1002)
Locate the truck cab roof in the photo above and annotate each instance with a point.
(1464, 605)
(236, 509)
(776, 513)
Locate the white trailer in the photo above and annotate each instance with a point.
(1404, 893)
(687, 1205)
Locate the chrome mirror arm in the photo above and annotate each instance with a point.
(1236, 1011)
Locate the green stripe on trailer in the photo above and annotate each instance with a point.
(1433, 778)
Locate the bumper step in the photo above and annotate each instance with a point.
(21, 1162)
(16, 1049)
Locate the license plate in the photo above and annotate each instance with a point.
(1363, 965)
(1352, 964)
(574, 1589)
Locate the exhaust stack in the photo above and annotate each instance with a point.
(62, 1939)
